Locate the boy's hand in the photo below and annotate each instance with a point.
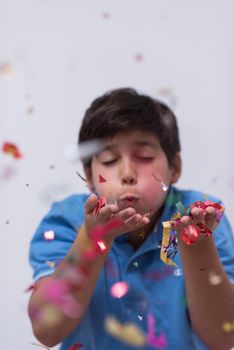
(129, 219)
(202, 221)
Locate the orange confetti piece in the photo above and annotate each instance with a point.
(12, 149)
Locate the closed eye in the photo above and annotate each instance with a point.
(109, 162)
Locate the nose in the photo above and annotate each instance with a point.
(128, 173)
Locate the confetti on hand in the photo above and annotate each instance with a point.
(12, 149)
(101, 203)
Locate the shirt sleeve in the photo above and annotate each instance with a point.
(64, 219)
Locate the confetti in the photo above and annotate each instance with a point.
(89, 148)
(82, 178)
(101, 179)
(164, 186)
(165, 242)
(12, 149)
(181, 209)
(105, 15)
(119, 289)
(138, 57)
(102, 246)
(160, 341)
(49, 235)
(6, 69)
(128, 332)
(228, 326)
(214, 278)
(101, 203)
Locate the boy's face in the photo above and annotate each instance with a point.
(133, 165)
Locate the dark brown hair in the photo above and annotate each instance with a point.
(125, 109)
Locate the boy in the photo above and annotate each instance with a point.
(132, 179)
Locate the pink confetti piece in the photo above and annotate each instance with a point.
(49, 235)
(102, 246)
(105, 15)
(159, 342)
(119, 289)
(138, 57)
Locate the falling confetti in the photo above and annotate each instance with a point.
(12, 149)
(160, 341)
(164, 186)
(214, 278)
(228, 326)
(138, 57)
(49, 235)
(105, 15)
(119, 289)
(89, 148)
(80, 176)
(128, 332)
(6, 70)
(30, 110)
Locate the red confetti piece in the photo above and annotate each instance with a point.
(190, 234)
(76, 346)
(101, 179)
(11, 148)
(101, 203)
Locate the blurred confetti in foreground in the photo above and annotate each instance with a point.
(128, 332)
(11, 149)
(168, 95)
(6, 69)
(49, 235)
(138, 57)
(119, 289)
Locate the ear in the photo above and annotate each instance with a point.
(89, 178)
(176, 168)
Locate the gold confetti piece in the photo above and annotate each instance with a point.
(128, 332)
(6, 69)
(205, 196)
(50, 264)
(228, 326)
(165, 242)
(43, 346)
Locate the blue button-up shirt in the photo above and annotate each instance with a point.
(154, 287)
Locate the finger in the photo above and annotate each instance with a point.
(91, 203)
(211, 222)
(105, 213)
(126, 214)
(136, 221)
(198, 216)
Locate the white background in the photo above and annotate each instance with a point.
(64, 53)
